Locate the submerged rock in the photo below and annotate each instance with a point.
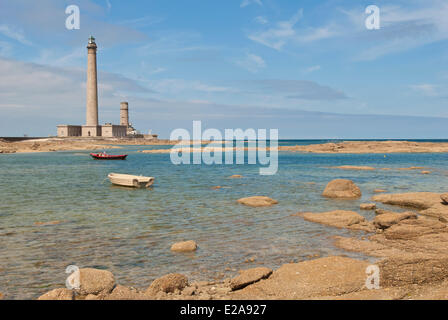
(363, 168)
(367, 206)
(257, 201)
(184, 246)
(382, 211)
(167, 284)
(49, 223)
(342, 188)
(249, 276)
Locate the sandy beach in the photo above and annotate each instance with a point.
(358, 147)
(73, 144)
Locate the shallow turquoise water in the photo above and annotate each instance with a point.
(129, 232)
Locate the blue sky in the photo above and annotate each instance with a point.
(308, 68)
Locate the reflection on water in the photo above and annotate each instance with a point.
(130, 231)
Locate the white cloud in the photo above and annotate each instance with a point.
(167, 42)
(252, 63)
(52, 57)
(198, 101)
(14, 33)
(178, 86)
(429, 90)
(312, 69)
(261, 20)
(315, 34)
(246, 3)
(56, 90)
(402, 28)
(141, 22)
(285, 32)
(300, 89)
(277, 37)
(44, 20)
(157, 70)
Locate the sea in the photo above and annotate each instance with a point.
(59, 209)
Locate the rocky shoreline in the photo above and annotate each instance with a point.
(411, 249)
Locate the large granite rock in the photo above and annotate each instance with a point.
(95, 282)
(184, 246)
(343, 189)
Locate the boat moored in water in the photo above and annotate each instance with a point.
(128, 180)
(106, 156)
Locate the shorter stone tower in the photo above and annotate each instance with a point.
(124, 114)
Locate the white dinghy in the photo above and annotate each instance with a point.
(128, 180)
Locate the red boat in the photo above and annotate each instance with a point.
(105, 156)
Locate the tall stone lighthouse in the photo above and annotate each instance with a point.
(92, 127)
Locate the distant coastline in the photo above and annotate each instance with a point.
(15, 145)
